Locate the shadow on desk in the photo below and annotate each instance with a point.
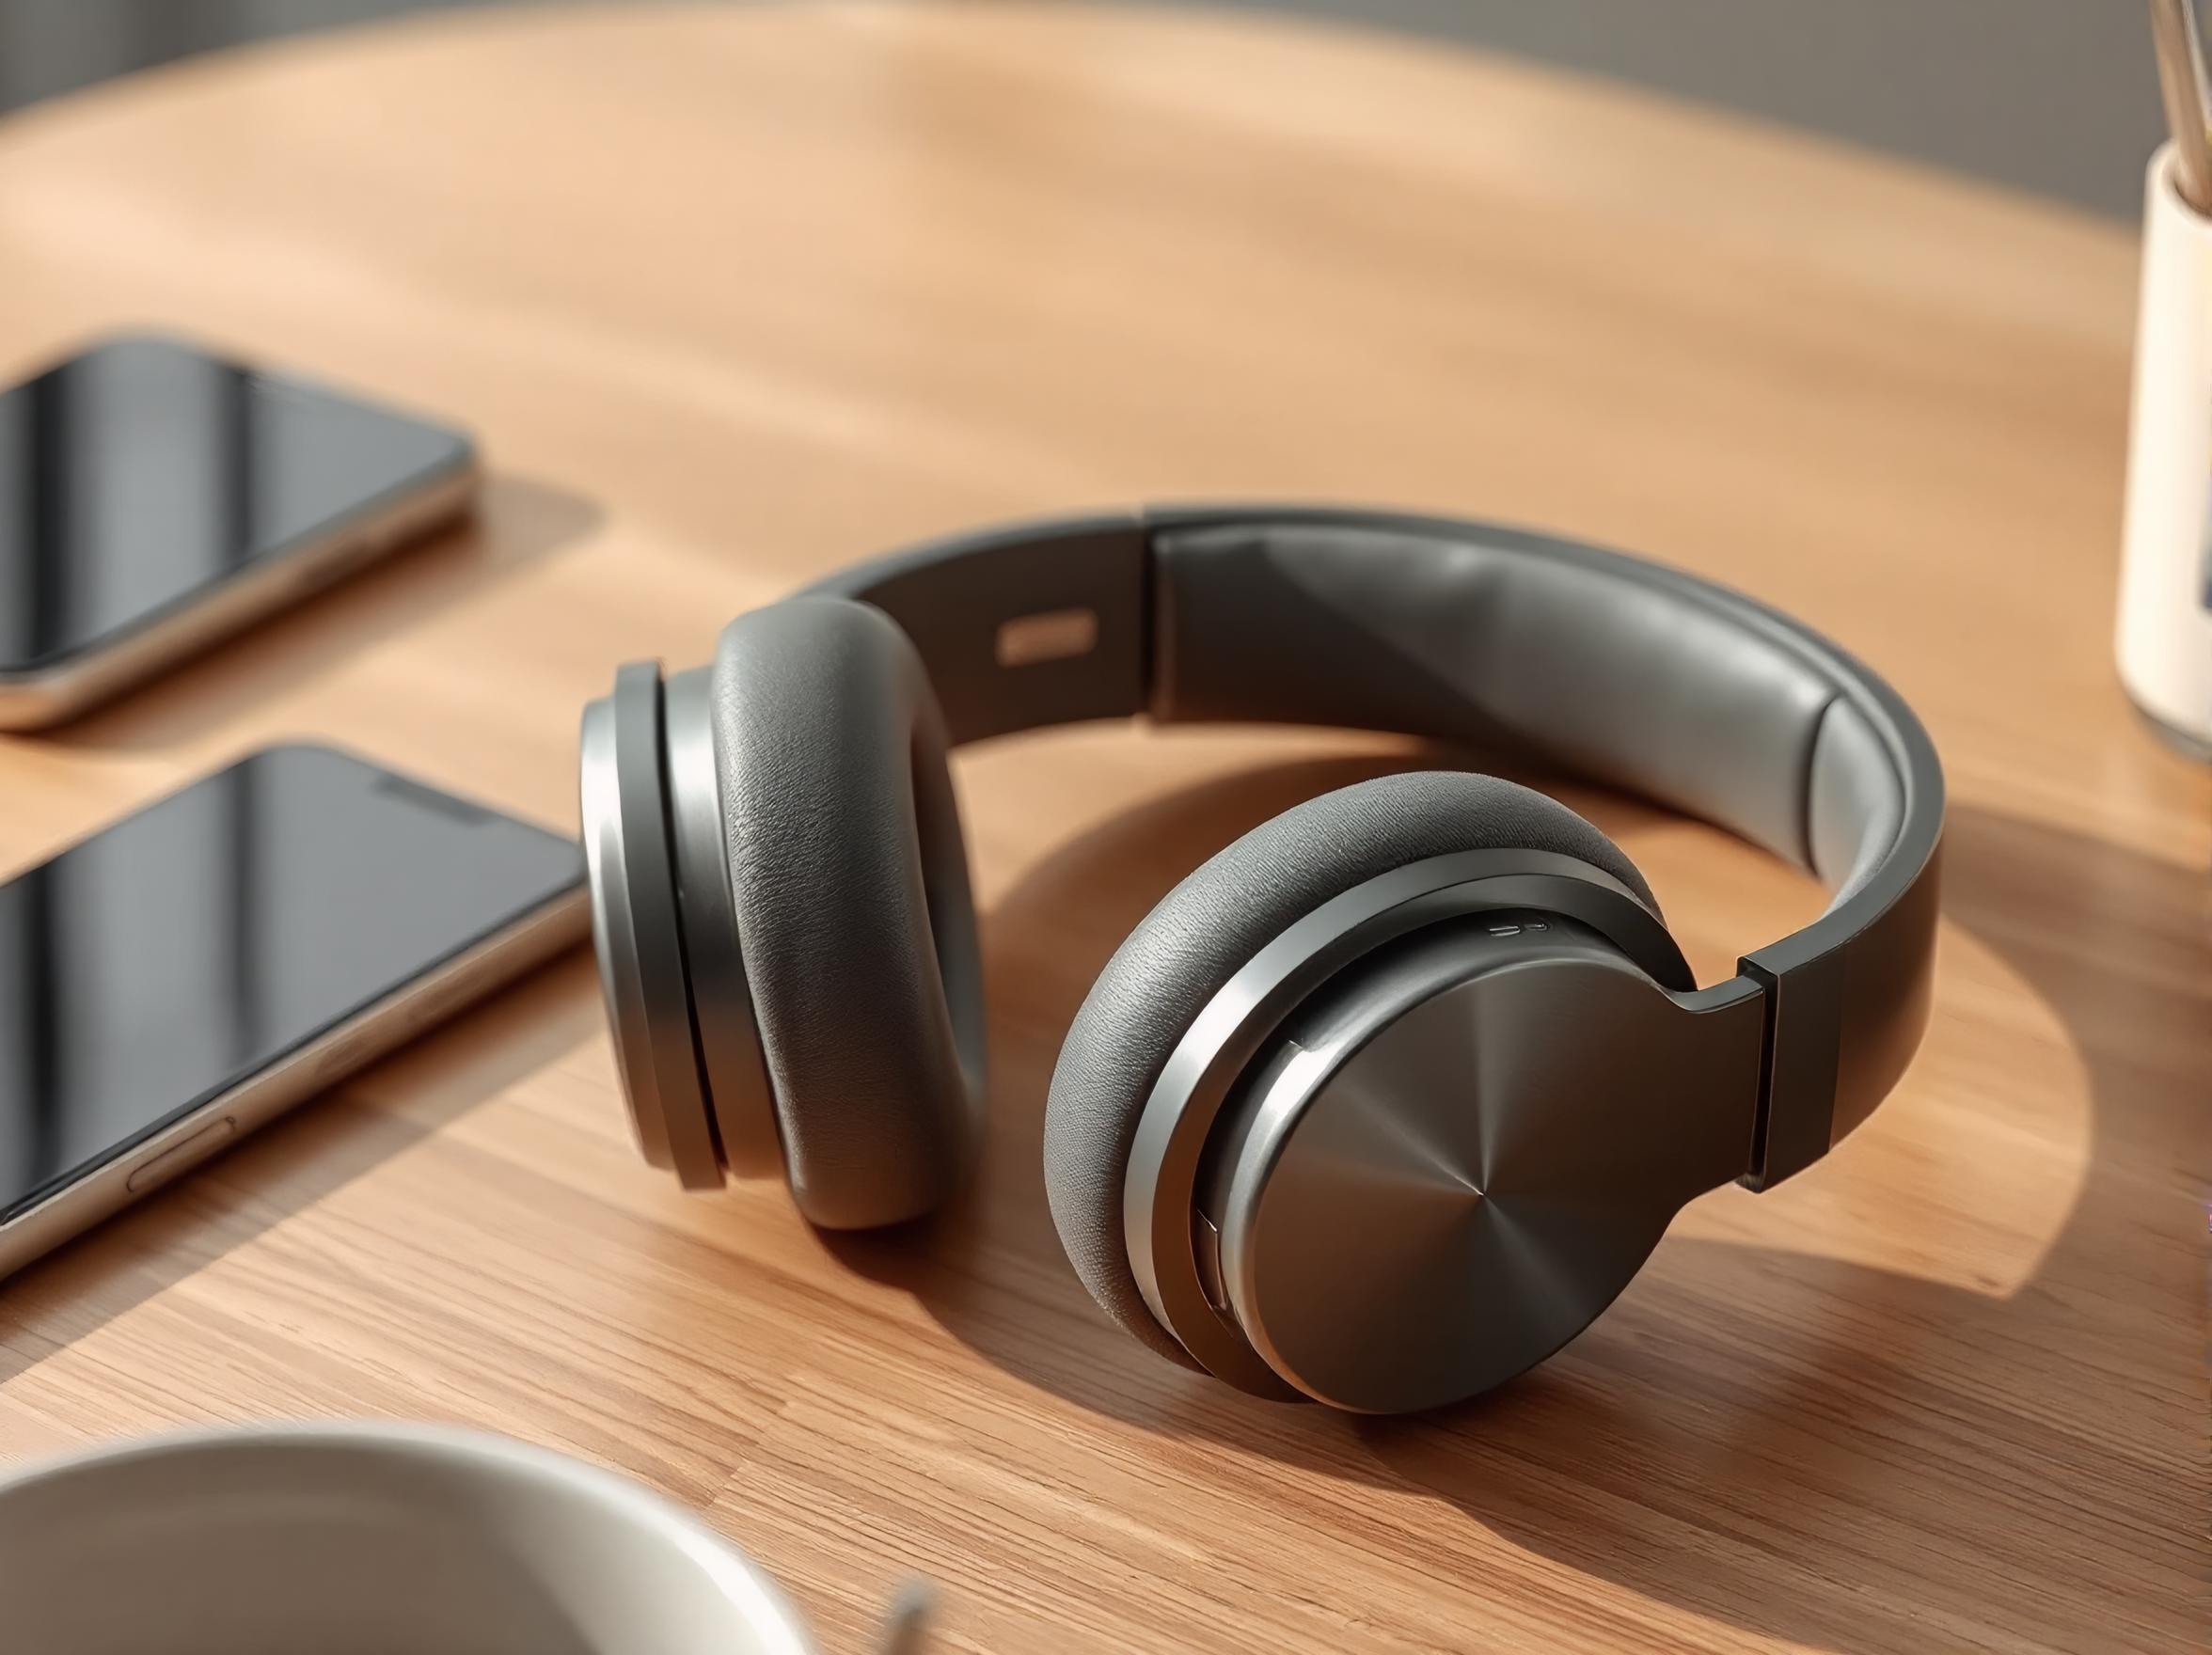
(516, 522)
(1808, 1448)
(293, 1163)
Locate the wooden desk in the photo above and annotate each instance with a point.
(735, 295)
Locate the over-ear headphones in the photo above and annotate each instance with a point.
(1388, 1100)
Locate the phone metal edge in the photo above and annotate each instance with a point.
(536, 937)
(48, 695)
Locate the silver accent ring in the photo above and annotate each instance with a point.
(634, 915)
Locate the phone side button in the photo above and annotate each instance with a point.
(182, 1156)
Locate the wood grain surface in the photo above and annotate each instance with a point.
(734, 295)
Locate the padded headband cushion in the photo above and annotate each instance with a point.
(850, 880)
(1207, 929)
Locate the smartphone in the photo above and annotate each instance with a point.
(187, 974)
(155, 498)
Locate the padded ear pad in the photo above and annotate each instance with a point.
(850, 880)
(1206, 930)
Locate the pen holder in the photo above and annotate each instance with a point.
(2164, 637)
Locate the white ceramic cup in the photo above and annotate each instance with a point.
(2164, 637)
(365, 1539)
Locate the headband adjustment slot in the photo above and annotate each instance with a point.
(1039, 625)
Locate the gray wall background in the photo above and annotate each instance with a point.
(2055, 97)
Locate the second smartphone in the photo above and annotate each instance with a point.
(155, 498)
(193, 970)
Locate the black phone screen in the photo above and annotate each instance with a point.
(157, 964)
(139, 474)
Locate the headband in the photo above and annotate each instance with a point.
(1623, 671)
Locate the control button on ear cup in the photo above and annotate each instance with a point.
(1204, 931)
(849, 879)
(637, 928)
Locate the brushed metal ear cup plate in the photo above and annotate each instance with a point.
(1160, 1191)
(734, 1073)
(1460, 1152)
(614, 941)
(635, 916)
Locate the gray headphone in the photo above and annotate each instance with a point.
(1389, 1100)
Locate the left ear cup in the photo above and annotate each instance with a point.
(1207, 929)
(849, 876)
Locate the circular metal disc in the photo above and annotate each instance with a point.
(613, 938)
(1457, 1160)
(1161, 1222)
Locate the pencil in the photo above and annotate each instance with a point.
(2188, 109)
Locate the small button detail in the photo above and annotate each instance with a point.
(182, 1156)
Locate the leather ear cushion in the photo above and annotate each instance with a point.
(850, 880)
(1207, 929)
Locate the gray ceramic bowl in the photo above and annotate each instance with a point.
(365, 1540)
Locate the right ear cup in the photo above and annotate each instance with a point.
(1207, 929)
(849, 878)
